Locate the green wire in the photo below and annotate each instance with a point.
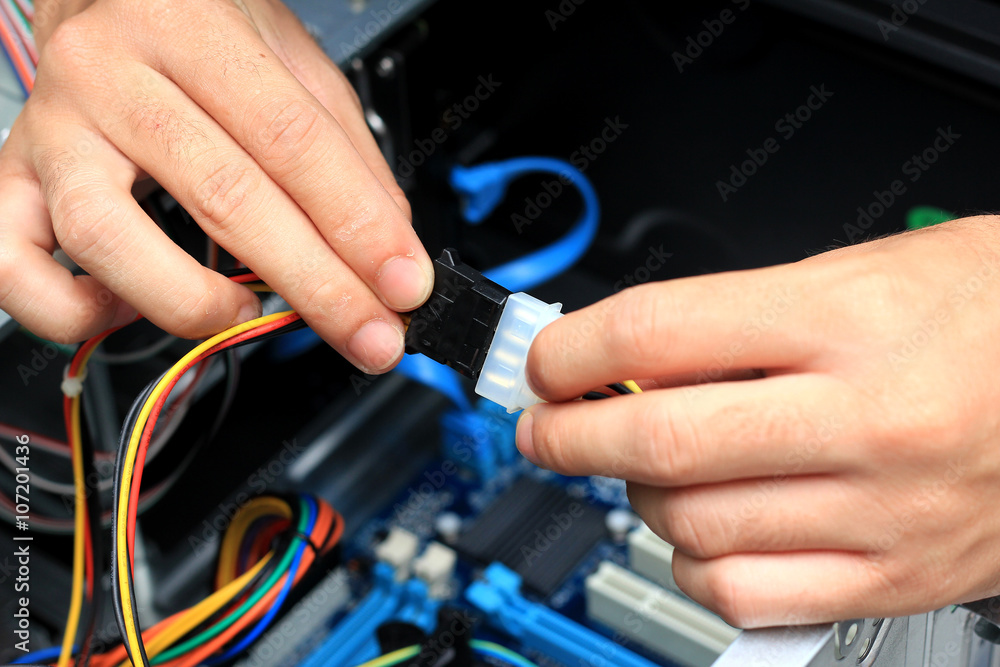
(211, 632)
(65, 349)
(480, 646)
(19, 13)
(492, 648)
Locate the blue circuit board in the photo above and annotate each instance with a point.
(461, 491)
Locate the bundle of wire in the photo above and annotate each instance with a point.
(268, 549)
(139, 425)
(88, 517)
(18, 40)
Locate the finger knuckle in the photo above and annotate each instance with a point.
(667, 442)
(169, 128)
(284, 130)
(724, 597)
(324, 299)
(680, 529)
(551, 444)
(225, 193)
(355, 215)
(638, 326)
(10, 272)
(70, 50)
(88, 224)
(193, 312)
(399, 197)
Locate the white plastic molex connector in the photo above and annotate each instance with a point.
(398, 549)
(502, 378)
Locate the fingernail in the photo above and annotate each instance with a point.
(249, 311)
(124, 314)
(525, 438)
(402, 283)
(376, 345)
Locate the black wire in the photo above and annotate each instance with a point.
(619, 388)
(129, 426)
(594, 396)
(234, 273)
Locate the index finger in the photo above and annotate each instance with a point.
(699, 435)
(246, 88)
(705, 327)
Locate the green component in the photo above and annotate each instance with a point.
(219, 627)
(919, 217)
(69, 350)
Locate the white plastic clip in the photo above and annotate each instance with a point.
(73, 386)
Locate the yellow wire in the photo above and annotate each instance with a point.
(197, 614)
(76, 597)
(630, 384)
(253, 510)
(392, 658)
(258, 287)
(131, 632)
(79, 514)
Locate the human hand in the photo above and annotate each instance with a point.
(232, 107)
(819, 440)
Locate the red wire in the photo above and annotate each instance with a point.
(16, 57)
(74, 370)
(26, 9)
(245, 278)
(26, 38)
(147, 432)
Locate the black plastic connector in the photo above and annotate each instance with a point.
(456, 325)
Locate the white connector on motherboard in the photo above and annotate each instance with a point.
(661, 621)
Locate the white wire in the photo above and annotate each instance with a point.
(119, 358)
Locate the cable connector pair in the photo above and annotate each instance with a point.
(481, 330)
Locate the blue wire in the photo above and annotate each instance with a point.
(426, 371)
(10, 58)
(24, 89)
(483, 188)
(264, 622)
(42, 656)
(508, 658)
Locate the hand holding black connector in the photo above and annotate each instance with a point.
(480, 329)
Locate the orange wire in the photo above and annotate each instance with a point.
(16, 57)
